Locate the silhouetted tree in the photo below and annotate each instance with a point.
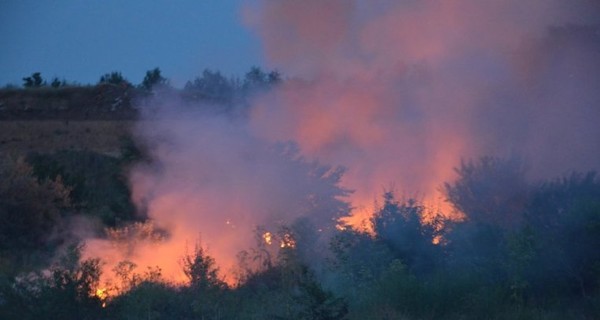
(205, 292)
(490, 191)
(493, 194)
(152, 79)
(33, 81)
(358, 259)
(96, 182)
(288, 290)
(66, 291)
(201, 270)
(256, 80)
(402, 228)
(57, 83)
(564, 216)
(211, 87)
(114, 78)
(31, 210)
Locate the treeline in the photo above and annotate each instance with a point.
(115, 97)
(524, 250)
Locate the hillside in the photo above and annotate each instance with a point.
(95, 118)
(100, 102)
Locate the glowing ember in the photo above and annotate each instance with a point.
(268, 237)
(102, 294)
(287, 241)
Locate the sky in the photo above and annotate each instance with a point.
(82, 40)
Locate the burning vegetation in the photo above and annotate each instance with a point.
(405, 263)
(395, 174)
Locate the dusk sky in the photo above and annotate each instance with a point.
(82, 40)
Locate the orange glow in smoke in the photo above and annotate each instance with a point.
(287, 241)
(102, 294)
(267, 236)
(396, 96)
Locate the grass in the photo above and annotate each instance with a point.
(19, 137)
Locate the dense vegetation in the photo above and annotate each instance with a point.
(524, 250)
(115, 98)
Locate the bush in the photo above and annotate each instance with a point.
(66, 291)
(31, 211)
(114, 78)
(98, 186)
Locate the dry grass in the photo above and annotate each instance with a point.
(21, 137)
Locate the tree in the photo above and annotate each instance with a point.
(114, 78)
(288, 290)
(96, 182)
(30, 209)
(153, 79)
(256, 80)
(490, 191)
(65, 291)
(358, 260)
(400, 226)
(34, 81)
(57, 83)
(564, 216)
(145, 295)
(206, 291)
(201, 270)
(211, 87)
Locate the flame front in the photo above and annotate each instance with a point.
(102, 294)
(287, 241)
(267, 236)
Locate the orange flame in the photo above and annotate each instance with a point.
(102, 294)
(267, 236)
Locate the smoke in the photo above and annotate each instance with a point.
(397, 92)
(212, 181)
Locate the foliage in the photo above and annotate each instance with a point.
(114, 78)
(211, 87)
(97, 183)
(153, 79)
(287, 290)
(31, 212)
(57, 83)
(34, 81)
(115, 98)
(65, 291)
(490, 191)
(549, 255)
(202, 271)
(525, 250)
(401, 227)
(148, 300)
(142, 295)
(258, 80)
(564, 215)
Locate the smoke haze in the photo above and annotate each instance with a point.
(397, 92)
(214, 182)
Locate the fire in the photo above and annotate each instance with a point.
(102, 294)
(287, 241)
(267, 236)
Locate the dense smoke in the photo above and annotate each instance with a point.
(397, 92)
(213, 183)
